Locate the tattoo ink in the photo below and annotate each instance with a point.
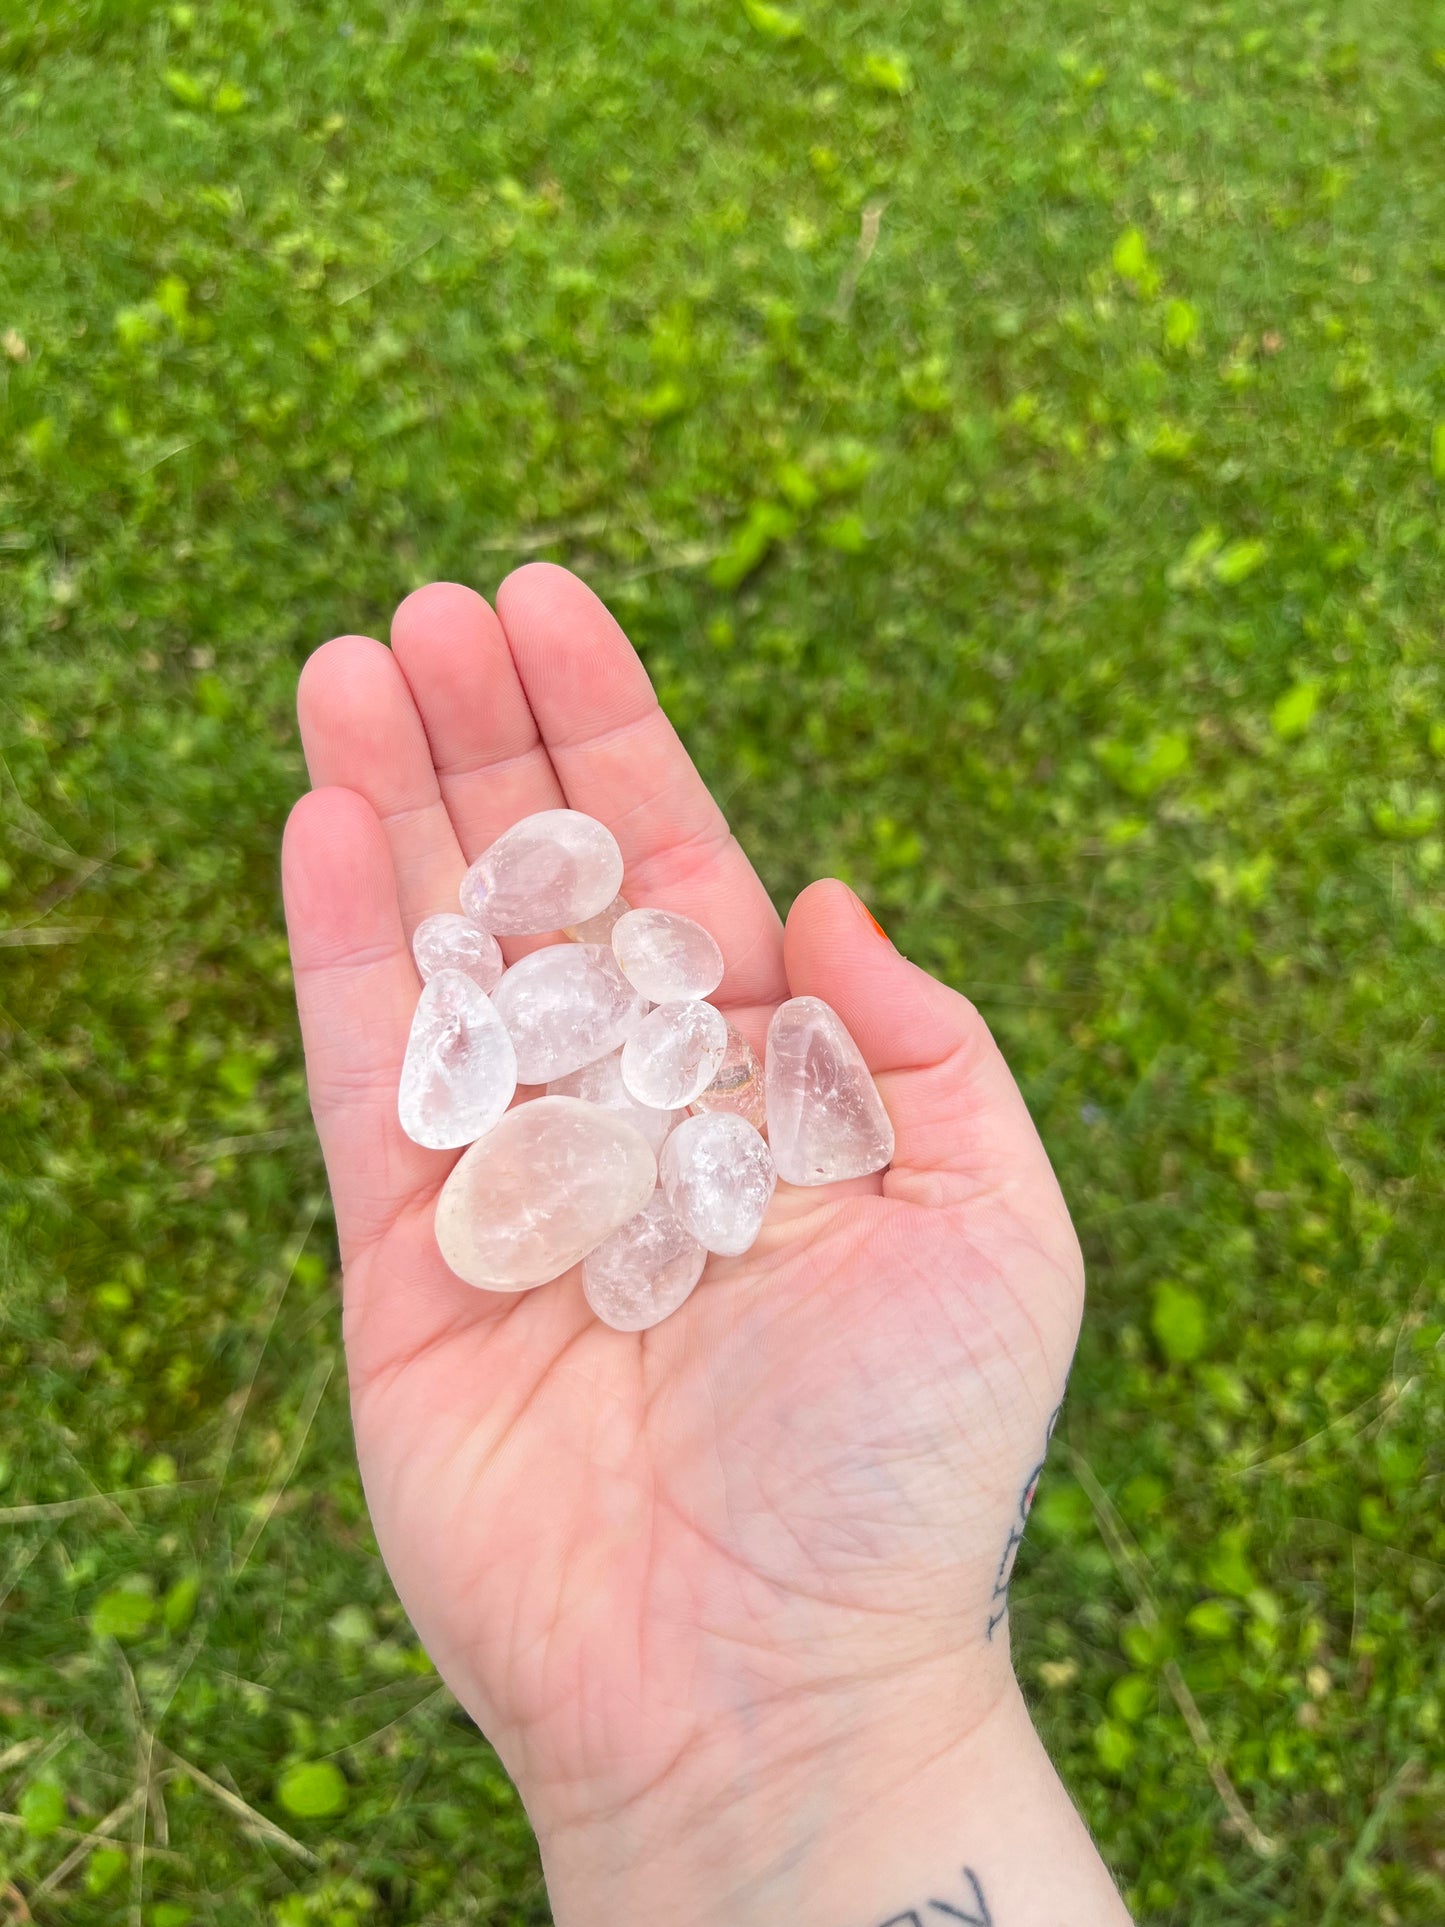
(973, 1913)
(998, 1604)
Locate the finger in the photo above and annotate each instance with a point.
(961, 1123)
(360, 731)
(619, 759)
(356, 990)
(491, 763)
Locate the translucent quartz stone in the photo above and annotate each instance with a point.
(738, 1086)
(565, 1006)
(644, 1270)
(449, 942)
(674, 1053)
(540, 1191)
(825, 1118)
(556, 868)
(460, 1070)
(598, 929)
(666, 956)
(717, 1175)
(601, 1083)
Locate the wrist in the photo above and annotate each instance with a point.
(923, 1812)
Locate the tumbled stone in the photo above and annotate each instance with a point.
(601, 1083)
(667, 956)
(644, 1271)
(556, 868)
(674, 1053)
(718, 1177)
(449, 942)
(564, 1006)
(738, 1086)
(539, 1192)
(460, 1070)
(598, 929)
(826, 1120)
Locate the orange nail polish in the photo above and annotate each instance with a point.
(872, 919)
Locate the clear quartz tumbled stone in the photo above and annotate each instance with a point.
(556, 868)
(539, 1192)
(565, 1006)
(826, 1120)
(460, 1070)
(738, 1086)
(449, 942)
(644, 1271)
(674, 1053)
(718, 1177)
(667, 956)
(601, 1083)
(598, 929)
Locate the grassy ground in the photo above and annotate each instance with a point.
(1015, 437)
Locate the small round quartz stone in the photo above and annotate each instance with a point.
(674, 1053)
(556, 868)
(449, 942)
(565, 1006)
(738, 1086)
(718, 1177)
(826, 1120)
(539, 1192)
(460, 1070)
(598, 929)
(601, 1083)
(644, 1271)
(667, 956)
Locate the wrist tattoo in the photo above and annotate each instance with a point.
(998, 1603)
(972, 1909)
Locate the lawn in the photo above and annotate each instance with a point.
(1015, 438)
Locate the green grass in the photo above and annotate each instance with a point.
(1068, 574)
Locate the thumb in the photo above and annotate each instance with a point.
(961, 1123)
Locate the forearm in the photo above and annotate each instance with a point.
(979, 1832)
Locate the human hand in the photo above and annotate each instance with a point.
(710, 1589)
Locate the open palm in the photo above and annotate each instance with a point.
(630, 1553)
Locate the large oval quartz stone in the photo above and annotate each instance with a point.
(826, 1120)
(565, 1006)
(460, 1070)
(556, 868)
(644, 1271)
(716, 1174)
(534, 1196)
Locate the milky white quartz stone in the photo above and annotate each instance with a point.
(460, 1070)
(738, 1085)
(539, 1192)
(601, 1083)
(556, 868)
(674, 1053)
(826, 1120)
(564, 1006)
(449, 942)
(667, 956)
(717, 1175)
(644, 1271)
(598, 929)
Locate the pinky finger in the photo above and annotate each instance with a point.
(356, 990)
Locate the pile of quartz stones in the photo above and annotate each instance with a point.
(614, 1117)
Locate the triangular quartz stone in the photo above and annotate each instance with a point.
(826, 1120)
